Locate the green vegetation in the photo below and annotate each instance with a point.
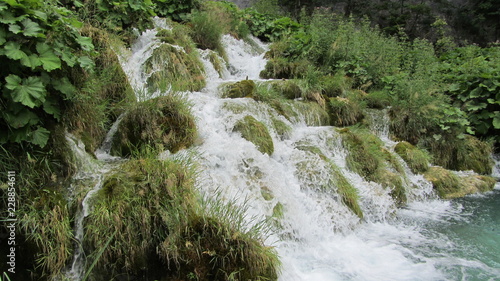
(449, 185)
(161, 229)
(163, 123)
(242, 89)
(256, 133)
(417, 160)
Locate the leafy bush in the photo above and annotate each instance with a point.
(270, 28)
(117, 15)
(473, 78)
(177, 10)
(39, 44)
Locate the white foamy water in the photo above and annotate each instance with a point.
(317, 237)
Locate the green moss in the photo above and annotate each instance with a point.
(164, 123)
(347, 192)
(417, 160)
(363, 157)
(165, 36)
(282, 129)
(241, 89)
(393, 181)
(178, 68)
(378, 99)
(217, 62)
(255, 132)
(266, 193)
(445, 182)
(449, 185)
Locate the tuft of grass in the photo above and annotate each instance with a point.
(417, 159)
(281, 128)
(255, 132)
(207, 30)
(344, 112)
(335, 85)
(164, 123)
(347, 192)
(149, 222)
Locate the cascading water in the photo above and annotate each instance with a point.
(90, 171)
(317, 236)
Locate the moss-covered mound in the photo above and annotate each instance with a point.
(417, 160)
(242, 89)
(149, 223)
(163, 123)
(347, 193)
(367, 157)
(256, 133)
(175, 64)
(450, 185)
(335, 85)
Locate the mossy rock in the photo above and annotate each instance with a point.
(417, 160)
(343, 112)
(241, 89)
(256, 133)
(162, 123)
(347, 192)
(393, 181)
(449, 185)
(363, 157)
(281, 128)
(172, 67)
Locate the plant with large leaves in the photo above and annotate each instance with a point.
(39, 43)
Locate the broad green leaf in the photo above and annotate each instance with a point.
(86, 62)
(13, 51)
(496, 120)
(21, 119)
(3, 36)
(31, 61)
(31, 28)
(14, 28)
(64, 86)
(49, 60)
(41, 15)
(476, 92)
(30, 92)
(8, 18)
(40, 136)
(65, 53)
(51, 107)
(85, 43)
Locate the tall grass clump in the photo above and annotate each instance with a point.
(165, 123)
(44, 234)
(207, 30)
(159, 228)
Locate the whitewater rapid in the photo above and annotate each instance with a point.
(317, 236)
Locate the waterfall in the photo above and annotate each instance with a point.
(316, 235)
(91, 172)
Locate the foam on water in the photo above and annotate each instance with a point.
(317, 237)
